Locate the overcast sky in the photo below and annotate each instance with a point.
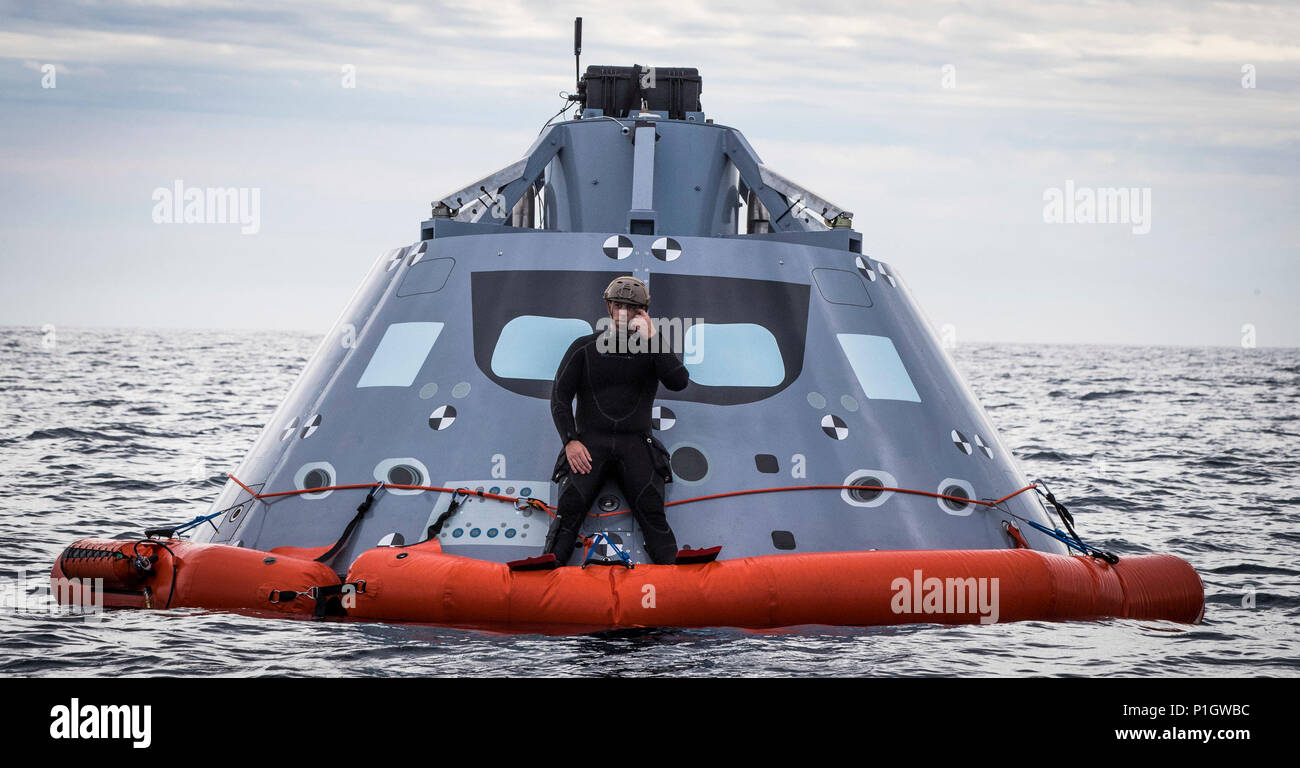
(948, 183)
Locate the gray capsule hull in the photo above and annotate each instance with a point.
(825, 441)
(811, 365)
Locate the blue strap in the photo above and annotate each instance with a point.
(1073, 542)
(197, 521)
(623, 557)
(1060, 535)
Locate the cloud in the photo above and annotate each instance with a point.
(946, 182)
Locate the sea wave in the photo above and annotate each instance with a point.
(1182, 451)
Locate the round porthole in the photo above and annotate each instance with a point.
(316, 478)
(608, 503)
(957, 493)
(235, 513)
(404, 474)
(313, 476)
(868, 489)
(865, 487)
(402, 471)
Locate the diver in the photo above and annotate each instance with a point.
(615, 374)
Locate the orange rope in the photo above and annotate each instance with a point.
(315, 490)
(550, 509)
(1014, 533)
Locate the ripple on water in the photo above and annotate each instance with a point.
(1178, 450)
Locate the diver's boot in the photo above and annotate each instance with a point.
(559, 541)
(660, 544)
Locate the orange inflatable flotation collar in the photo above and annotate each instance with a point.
(150, 573)
(839, 588)
(422, 584)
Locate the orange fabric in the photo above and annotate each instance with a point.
(421, 584)
(231, 578)
(213, 576)
(106, 559)
(302, 553)
(843, 588)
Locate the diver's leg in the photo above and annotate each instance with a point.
(643, 488)
(576, 493)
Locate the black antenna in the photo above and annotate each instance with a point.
(577, 51)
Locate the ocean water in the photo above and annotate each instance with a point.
(1190, 451)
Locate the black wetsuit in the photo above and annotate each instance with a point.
(615, 392)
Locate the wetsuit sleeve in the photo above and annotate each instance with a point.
(670, 370)
(563, 390)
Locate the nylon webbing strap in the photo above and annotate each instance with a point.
(362, 509)
(328, 598)
(436, 528)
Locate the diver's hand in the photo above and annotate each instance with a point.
(641, 321)
(579, 458)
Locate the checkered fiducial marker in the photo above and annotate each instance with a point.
(442, 417)
(666, 249)
(959, 440)
(834, 427)
(865, 269)
(661, 417)
(617, 247)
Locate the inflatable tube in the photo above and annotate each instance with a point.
(181, 574)
(421, 584)
(838, 588)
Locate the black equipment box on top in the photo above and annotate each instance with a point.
(618, 91)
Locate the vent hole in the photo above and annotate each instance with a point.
(316, 478)
(868, 488)
(959, 492)
(403, 474)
